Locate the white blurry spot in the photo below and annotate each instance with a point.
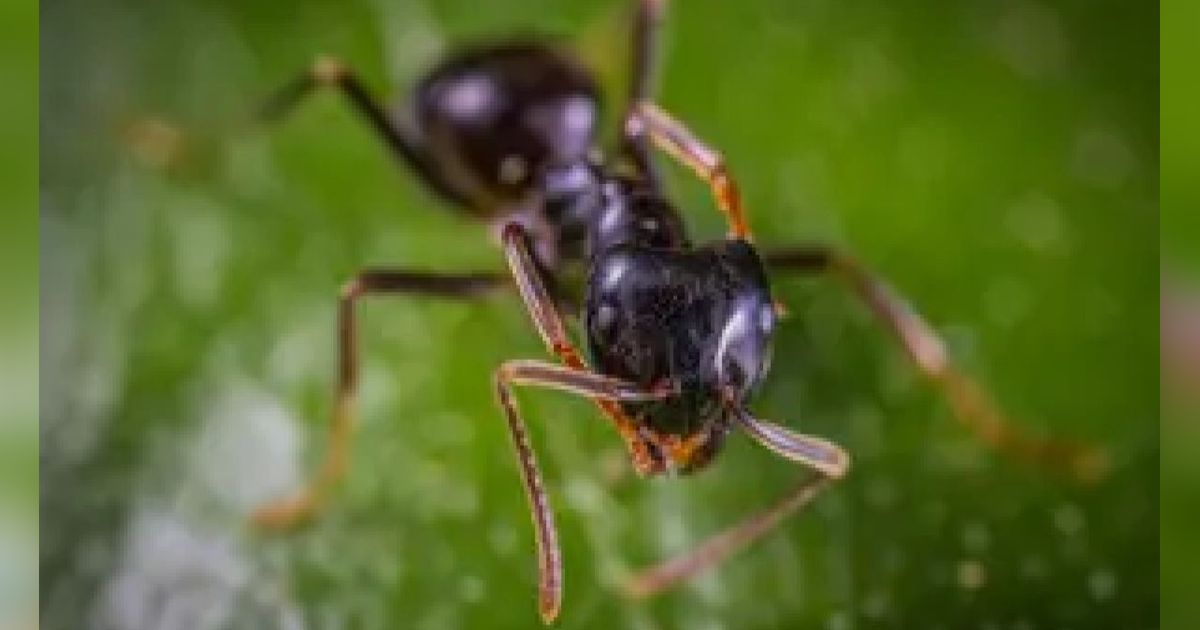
(247, 450)
(201, 243)
(1068, 518)
(1036, 220)
(18, 569)
(1102, 158)
(1102, 583)
(172, 576)
(471, 96)
(976, 538)
(1029, 37)
(1007, 301)
(972, 575)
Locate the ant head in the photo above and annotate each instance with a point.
(702, 317)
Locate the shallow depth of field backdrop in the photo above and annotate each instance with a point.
(998, 160)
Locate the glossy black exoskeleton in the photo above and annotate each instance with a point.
(679, 333)
(702, 317)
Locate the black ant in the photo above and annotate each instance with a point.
(679, 333)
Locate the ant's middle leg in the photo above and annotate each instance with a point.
(707, 163)
(327, 72)
(971, 403)
(289, 511)
(550, 327)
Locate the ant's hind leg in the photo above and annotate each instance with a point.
(971, 403)
(327, 72)
(289, 511)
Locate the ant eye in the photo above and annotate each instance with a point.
(766, 318)
(741, 351)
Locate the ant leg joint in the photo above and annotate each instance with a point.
(328, 70)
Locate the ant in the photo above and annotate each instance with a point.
(679, 333)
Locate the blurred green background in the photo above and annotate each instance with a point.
(1181, 313)
(998, 160)
(18, 315)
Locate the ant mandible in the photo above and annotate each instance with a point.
(679, 333)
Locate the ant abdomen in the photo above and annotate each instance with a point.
(492, 117)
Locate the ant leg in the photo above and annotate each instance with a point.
(971, 403)
(576, 381)
(549, 324)
(646, 30)
(331, 73)
(674, 138)
(289, 511)
(825, 457)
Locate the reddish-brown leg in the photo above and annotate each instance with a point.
(674, 138)
(971, 403)
(572, 380)
(549, 324)
(289, 511)
(826, 458)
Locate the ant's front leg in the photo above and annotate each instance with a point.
(287, 512)
(573, 380)
(327, 72)
(823, 456)
(549, 324)
(971, 403)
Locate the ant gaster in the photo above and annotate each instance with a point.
(679, 333)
